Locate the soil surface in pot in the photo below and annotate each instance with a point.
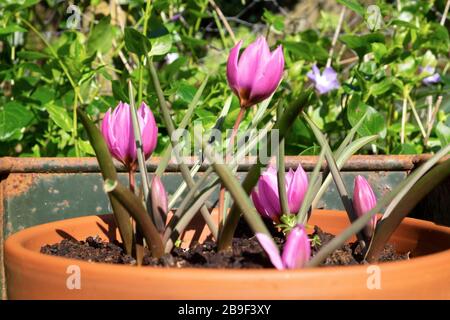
(246, 252)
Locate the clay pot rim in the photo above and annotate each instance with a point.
(17, 243)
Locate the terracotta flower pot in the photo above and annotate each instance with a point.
(32, 275)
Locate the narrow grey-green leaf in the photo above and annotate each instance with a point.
(397, 194)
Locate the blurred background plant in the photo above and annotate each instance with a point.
(56, 56)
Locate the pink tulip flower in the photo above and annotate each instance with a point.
(159, 196)
(296, 251)
(364, 200)
(159, 203)
(117, 129)
(257, 73)
(267, 200)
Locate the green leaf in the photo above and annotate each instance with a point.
(11, 29)
(136, 42)
(86, 147)
(332, 165)
(101, 37)
(405, 148)
(374, 123)
(14, 118)
(32, 55)
(443, 133)
(137, 210)
(353, 5)
(342, 158)
(186, 91)
(415, 188)
(118, 91)
(191, 41)
(381, 87)
(161, 45)
(362, 44)
(109, 172)
(391, 198)
(305, 50)
(313, 188)
(60, 116)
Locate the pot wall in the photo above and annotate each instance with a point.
(39, 190)
(32, 275)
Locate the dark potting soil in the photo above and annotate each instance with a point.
(246, 252)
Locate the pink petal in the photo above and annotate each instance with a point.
(288, 177)
(297, 190)
(364, 199)
(297, 250)
(249, 63)
(159, 194)
(268, 192)
(268, 77)
(105, 127)
(271, 249)
(149, 129)
(232, 68)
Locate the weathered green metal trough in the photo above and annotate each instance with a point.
(39, 190)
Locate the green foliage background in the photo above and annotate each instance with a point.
(48, 68)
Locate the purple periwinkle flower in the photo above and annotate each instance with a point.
(296, 250)
(364, 200)
(325, 82)
(117, 129)
(267, 200)
(256, 74)
(432, 78)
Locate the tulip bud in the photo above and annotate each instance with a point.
(297, 249)
(267, 200)
(324, 82)
(257, 73)
(117, 129)
(364, 200)
(271, 249)
(159, 202)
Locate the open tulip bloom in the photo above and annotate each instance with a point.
(253, 76)
(256, 74)
(117, 129)
(267, 199)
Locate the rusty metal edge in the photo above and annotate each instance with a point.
(75, 165)
(2, 265)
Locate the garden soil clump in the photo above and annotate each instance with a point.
(245, 253)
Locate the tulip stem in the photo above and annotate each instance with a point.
(139, 239)
(282, 124)
(222, 208)
(138, 142)
(137, 210)
(185, 172)
(281, 171)
(108, 170)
